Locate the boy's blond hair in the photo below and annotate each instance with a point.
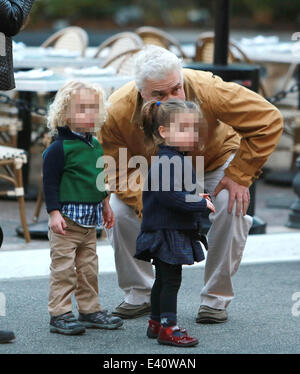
(57, 113)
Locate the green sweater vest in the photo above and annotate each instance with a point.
(80, 174)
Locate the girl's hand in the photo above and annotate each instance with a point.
(210, 205)
(205, 196)
(57, 223)
(108, 215)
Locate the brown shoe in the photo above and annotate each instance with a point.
(211, 315)
(128, 311)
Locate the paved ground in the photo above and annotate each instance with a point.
(261, 317)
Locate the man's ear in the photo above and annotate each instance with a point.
(142, 93)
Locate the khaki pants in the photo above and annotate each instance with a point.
(74, 268)
(226, 240)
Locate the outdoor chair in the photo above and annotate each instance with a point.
(9, 128)
(204, 52)
(11, 162)
(120, 49)
(153, 35)
(71, 38)
(288, 107)
(124, 62)
(291, 122)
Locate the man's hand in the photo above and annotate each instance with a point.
(57, 223)
(108, 215)
(237, 193)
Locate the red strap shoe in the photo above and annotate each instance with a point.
(166, 336)
(153, 329)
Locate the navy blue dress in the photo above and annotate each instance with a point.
(170, 246)
(170, 226)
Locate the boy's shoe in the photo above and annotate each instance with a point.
(211, 315)
(166, 336)
(66, 324)
(128, 311)
(100, 320)
(153, 329)
(6, 336)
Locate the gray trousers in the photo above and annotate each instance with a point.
(226, 240)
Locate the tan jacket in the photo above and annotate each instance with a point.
(238, 119)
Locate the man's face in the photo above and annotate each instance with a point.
(171, 87)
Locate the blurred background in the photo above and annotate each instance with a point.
(97, 40)
(101, 18)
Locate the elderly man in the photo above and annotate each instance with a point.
(243, 130)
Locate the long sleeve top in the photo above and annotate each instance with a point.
(168, 202)
(70, 172)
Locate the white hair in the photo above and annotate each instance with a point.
(154, 63)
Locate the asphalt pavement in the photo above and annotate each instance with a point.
(263, 317)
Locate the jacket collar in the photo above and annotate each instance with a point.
(66, 134)
(190, 95)
(169, 149)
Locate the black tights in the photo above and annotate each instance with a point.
(164, 291)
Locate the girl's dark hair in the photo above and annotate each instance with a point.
(158, 113)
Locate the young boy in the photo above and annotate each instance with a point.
(75, 202)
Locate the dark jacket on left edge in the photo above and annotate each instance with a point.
(12, 17)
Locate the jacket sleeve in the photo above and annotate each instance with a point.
(258, 123)
(179, 201)
(53, 165)
(170, 191)
(111, 141)
(13, 15)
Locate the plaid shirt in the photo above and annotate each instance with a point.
(86, 215)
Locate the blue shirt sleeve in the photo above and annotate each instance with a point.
(53, 166)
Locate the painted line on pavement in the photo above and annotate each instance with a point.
(259, 249)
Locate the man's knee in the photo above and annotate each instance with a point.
(221, 203)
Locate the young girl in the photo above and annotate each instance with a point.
(76, 204)
(171, 213)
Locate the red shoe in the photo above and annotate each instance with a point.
(166, 336)
(153, 329)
